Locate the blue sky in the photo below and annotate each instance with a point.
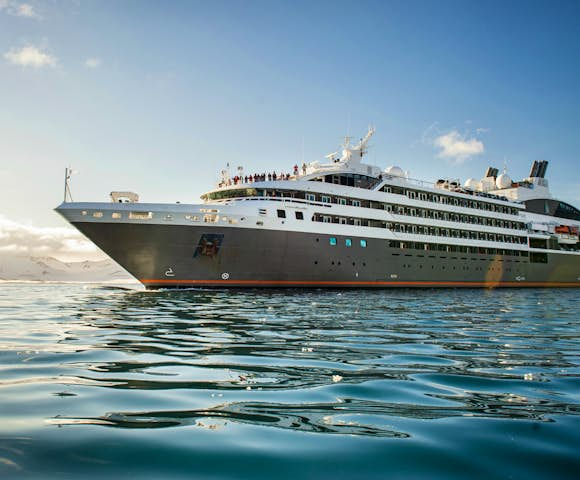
(156, 97)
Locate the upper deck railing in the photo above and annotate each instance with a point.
(450, 185)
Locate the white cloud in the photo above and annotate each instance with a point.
(17, 9)
(93, 62)
(26, 10)
(65, 244)
(458, 147)
(30, 56)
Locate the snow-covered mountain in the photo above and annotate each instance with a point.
(29, 268)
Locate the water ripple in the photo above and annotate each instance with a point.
(333, 364)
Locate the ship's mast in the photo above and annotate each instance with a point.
(67, 174)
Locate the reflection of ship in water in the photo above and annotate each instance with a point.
(344, 223)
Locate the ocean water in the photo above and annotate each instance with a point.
(104, 382)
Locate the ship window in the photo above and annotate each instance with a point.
(116, 215)
(537, 257)
(357, 222)
(348, 242)
(363, 243)
(342, 201)
(140, 215)
(97, 214)
(356, 203)
(326, 219)
(310, 197)
(332, 241)
(299, 215)
(208, 218)
(281, 213)
(325, 199)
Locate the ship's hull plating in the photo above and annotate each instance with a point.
(162, 256)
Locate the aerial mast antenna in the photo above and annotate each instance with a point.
(67, 174)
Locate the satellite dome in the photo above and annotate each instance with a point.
(472, 184)
(503, 181)
(395, 171)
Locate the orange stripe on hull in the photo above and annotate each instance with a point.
(369, 283)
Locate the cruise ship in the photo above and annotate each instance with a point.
(343, 223)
